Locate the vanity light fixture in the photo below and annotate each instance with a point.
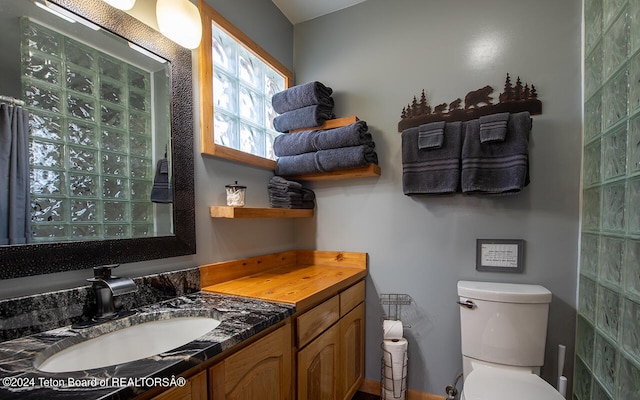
(179, 20)
(121, 4)
(65, 15)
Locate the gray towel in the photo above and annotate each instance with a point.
(497, 167)
(431, 171)
(307, 205)
(430, 136)
(493, 128)
(300, 96)
(290, 196)
(284, 193)
(327, 160)
(161, 190)
(306, 117)
(290, 144)
(308, 194)
(284, 185)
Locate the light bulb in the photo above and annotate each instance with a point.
(179, 20)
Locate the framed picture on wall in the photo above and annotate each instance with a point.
(500, 255)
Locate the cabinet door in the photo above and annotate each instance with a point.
(351, 352)
(262, 370)
(318, 366)
(195, 389)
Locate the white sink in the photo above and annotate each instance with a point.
(129, 344)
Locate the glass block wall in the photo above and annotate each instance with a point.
(91, 145)
(608, 328)
(242, 89)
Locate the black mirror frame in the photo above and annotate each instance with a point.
(45, 258)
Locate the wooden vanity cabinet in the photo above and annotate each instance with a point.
(195, 389)
(330, 347)
(351, 359)
(262, 370)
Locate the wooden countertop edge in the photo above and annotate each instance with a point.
(318, 297)
(304, 303)
(218, 276)
(211, 274)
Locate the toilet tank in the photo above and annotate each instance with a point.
(506, 323)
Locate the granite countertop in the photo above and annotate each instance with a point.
(240, 319)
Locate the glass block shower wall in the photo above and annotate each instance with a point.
(91, 145)
(608, 328)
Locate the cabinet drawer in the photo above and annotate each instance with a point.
(317, 320)
(351, 297)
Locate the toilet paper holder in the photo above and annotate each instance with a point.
(393, 370)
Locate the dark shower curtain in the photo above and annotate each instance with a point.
(15, 215)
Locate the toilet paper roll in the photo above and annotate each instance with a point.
(392, 329)
(395, 361)
(562, 386)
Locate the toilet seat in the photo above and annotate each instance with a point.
(500, 384)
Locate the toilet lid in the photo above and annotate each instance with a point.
(496, 384)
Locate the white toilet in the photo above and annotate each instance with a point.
(503, 334)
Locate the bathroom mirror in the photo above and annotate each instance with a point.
(151, 61)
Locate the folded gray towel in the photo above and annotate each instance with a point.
(431, 171)
(307, 205)
(308, 194)
(305, 117)
(300, 96)
(290, 144)
(499, 167)
(161, 190)
(327, 160)
(431, 135)
(280, 183)
(284, 193)
(493, 128)
(289, 196)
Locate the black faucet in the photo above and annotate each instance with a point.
(107, 289)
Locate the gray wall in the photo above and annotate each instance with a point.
(376, 56)
(218, 239)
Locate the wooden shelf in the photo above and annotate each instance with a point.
(372, 170)
(244, 212)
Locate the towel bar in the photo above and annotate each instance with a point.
(514, 99)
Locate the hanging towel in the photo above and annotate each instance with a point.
(300, 96)
(161, 190)
(432, 171)
(430, 136)
(306, 117)
(493, 128)
(497, 167)
(327, 160)
(15, 202)
(290, 144)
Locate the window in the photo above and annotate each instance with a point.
(237, 80)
